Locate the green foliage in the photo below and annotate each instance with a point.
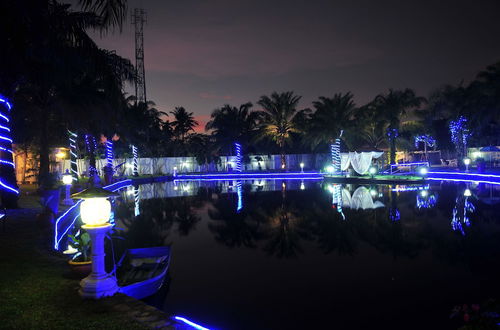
(81, 242)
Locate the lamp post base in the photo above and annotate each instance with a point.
(98, 284)
(97, 288)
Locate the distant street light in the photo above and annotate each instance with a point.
(67, 180)
(467, 163)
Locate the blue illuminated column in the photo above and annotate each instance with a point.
(73, 155)
(239, 157)
(337, 199)
(7, 167)
(137, 200)
(135, 162)
(109, 154)
(335, 151)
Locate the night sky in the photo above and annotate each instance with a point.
(203, 54)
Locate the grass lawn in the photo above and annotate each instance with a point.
(36, 290)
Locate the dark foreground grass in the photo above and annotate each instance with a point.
(36, 289)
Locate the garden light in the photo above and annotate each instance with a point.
(372, 171)
(301, 167)
(95, 211)
(67, 180)
(423, 171)
(330, 169)
(467, 163)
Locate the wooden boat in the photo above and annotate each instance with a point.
(145, 271)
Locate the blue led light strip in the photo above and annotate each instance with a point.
(190, 323)
(6, 146)
(411, 164)
(467, 174)
(464, 180)
(239, 157)
(70, 212)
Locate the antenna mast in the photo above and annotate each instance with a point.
(138, 19)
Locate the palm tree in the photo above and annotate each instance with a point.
(53, 56)
(393, 107)
(184, 123)
(279, 119)
(332, 116)
(230, 124)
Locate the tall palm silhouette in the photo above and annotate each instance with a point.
(183, 123)
(393, 106)
(332, 115)
(279, 119)
(230, 124)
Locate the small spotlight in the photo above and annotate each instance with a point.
(423, 171)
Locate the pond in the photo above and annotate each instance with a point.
(309, 254)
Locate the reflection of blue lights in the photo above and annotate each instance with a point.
(137, 211)
(239, 158)
(239, 192)
(410, 188)
(394, 214)
(458, 174)
(336, 191)
(426, 202)
(190, 323)
(463, 207)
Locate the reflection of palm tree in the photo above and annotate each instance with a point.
(331, 231)
(284, 236)
(233, 228)
(184, 216)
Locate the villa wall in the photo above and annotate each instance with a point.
(165, 165)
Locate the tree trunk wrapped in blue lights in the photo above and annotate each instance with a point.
(73, 155)
(239, 157)
(109, 169)
(335, 151)
(135, 164)
(8, 185)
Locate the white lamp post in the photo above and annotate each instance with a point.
(302, 167)
(467, 163)
(372, 170)
(175, 171)
(67, 180)
(94, 212)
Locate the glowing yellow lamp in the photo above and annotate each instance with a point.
(95, 209)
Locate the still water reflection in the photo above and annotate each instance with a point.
(307, 255)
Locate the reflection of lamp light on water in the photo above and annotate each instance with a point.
(424, 193)
(302, 185)
(95, 211)
(467, 192)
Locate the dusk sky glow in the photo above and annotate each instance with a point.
(203, 54)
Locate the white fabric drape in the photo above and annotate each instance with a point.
(360, 161)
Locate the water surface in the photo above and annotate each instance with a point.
(309, 255)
